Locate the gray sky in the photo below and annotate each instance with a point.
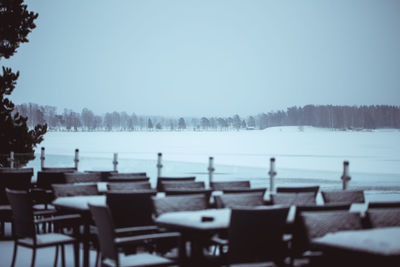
(209, 57)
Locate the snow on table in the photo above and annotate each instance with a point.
(379, 241)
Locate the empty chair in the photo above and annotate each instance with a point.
(104, 174)
(18, 179)
(239, 200)
(25, 228)
(297, 189)
(343, 196)
(172, 179)
(128, 186)
(383, 217)
(110, 244)
(299, 236)
(293, 199)
(68, 190)
(179, 203)
(318, 224)
(128, 174)
(229, 185)
(256, 235)
(82, 177)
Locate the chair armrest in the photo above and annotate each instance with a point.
(59, 218)
(219, 241)
(44, 212)
(136, 229)
(133, 240)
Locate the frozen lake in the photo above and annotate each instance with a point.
(303, 156)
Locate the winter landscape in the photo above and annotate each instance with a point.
(199, 133)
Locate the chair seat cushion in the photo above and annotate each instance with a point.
(142, 259)
(47, 239)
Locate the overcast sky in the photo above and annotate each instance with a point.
(213, 58)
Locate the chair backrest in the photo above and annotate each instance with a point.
(245, 190)
(68, 190)
(377, 205)
(182, 185)
(298, 189)
(343, 196)
(256, 235)
(221, 186)
(318, 224)
(130, 209)
(179, 203)
(383, 217)
(239, 200)
(105, 232)
(300, 240)
(132, 179)
(18, 179)
(128, 186)
(82, 177)
(104, 174)
(293, 199)
(46, 178)
(127, 174)
(62, 169)
(172, 179)
(21, 204)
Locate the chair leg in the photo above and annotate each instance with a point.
(33, 257)
(97, 258)
(14, 254)
(76, 253)
(56, 257)
(63, 255)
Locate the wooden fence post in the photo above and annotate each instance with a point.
(345, 177)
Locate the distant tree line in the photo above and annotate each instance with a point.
(326, 116)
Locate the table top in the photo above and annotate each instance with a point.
(79, 202)
(192, 220)
(377, 241)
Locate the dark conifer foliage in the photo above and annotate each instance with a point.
(16, 22)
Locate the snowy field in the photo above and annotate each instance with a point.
(303, 156)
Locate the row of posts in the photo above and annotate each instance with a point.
(272, 170)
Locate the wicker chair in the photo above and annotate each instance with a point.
(68, 190)
(298, 189)
(128, 186)
(239, 200)
(110, 244)
(343, 196)
(256, 236)
(228, 185)
(82, 177)
(173, 185)
(160, 180)
(383, 217)
(179, 203)
(17, 179)
(25, 230)
(293, 199)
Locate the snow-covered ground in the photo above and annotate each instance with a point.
(303, 155)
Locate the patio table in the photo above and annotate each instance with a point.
(370, 247)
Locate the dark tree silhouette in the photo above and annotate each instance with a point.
(181, 124)
(16, 22)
